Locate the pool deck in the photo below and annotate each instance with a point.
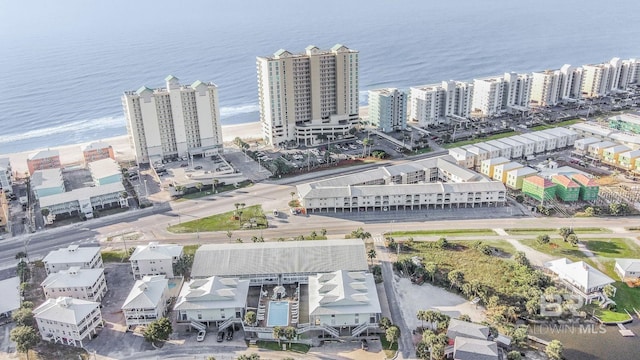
(298, 308)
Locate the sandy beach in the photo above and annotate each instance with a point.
(72, 154)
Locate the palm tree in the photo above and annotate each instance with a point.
(431, 268)
(229, 235)
(277, 333)
(365, 142)
(199, 186)
(290, 333)
(293, 193)
(215, 183)
(250, 318)
(323, 232)
(45, 212)
(371, 254)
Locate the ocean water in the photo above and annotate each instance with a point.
(65, 64)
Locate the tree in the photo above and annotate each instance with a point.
(371, 254)
(290, 333)
(366, 142)
(442, 243)
(431, 268)
(609, 290)
(521, 258)
(250, 317)
(617, 208)
(158, 330)
(277, 333)
(543, 239)
(519, 336)
(23, 271)
(293, 193)
(313, 235)
(45, 211)
(385, 322)
(229, 235)
(456, 278)
(590, 211)
(249, 357)
(565, 232)
(514, 355)
(199, 186)
(392, 334)
(21, 255)
(464, 317)
(23, 317)
(520, 198)
(573, 239)
(554, 350)
(25, 338)
(323, 232)
(183, 265)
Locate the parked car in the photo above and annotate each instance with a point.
(198, 167)
(365, 345)
(220, 337)
(201, 335)
(184, 165)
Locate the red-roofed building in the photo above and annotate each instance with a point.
(588, 187)
(539, 188)
(567, 189)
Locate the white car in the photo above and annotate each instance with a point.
(201, 335)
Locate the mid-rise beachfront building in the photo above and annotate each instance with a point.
(589, 188)
(487, 96)
(47, 182)
(75, 282)
(539, 188)
(175, 121)
(517, 89)
(42, 160)
(567, 190)
(84, 201)
(546, 88)
(303, 96)
(97, 150)
(105, 171)
(434, 104)
(5, 222)
(6, 175)
(154, 259)
(68, 321)
(73, 256)
(625, 122)
(388, 109)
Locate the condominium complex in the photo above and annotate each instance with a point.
(433, 104)
(309, 95)
(178, 120)
(388, 109)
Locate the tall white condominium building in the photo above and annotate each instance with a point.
(388, 109)
(546, 88)
(433, 104)
(178, 120)
(487, 96)
(303, 96)
(517, 88)
(570, 82)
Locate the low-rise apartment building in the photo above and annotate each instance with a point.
(68, 321)
(42, 160)
(47, 182)
(75, 282)
(154, 259)
(147, 301)
(73, 256)
(97, 150)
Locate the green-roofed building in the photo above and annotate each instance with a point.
(538, 188)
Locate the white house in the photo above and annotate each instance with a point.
(582, 145)
(474, 349)
(212, 300)
(628, 268)
(10, 299)
(505, 150)
(73, 255)
(528, 145)
(467, 329)
(154, 259)
(147, 301)
(517, 148)
(67, 320)
(540, 143)
(583, 279)
(343, 298)
(85, 284)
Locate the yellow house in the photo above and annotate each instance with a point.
(487, 166)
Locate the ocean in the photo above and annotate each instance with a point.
(66, 64)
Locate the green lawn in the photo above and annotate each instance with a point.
(552, 231)
(190, 249)
(273, 345)
(473, 141)
(589, 230)
(223, 222)
(613, 248)
(501, 245)
(452, 232)
(109, 256)
(560, 124)
(626, 297)
(389, 351)
(609, 316)
(557, 248)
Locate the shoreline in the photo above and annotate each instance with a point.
(72, 154)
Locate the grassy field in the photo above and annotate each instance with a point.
(557, 248)
(452, 232)
(613, 248)
(473, 141)
(501, 245)
(223, 222)
(114, 256)
(272, 345)
(389, 351)
(552, 231)
(560, 124)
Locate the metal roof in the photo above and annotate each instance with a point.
(82, 193)
(317, 256)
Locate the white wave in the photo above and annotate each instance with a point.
(235, 110)
(79, 126)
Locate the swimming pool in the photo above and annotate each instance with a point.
(278, 313)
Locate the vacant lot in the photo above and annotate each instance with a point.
(451, 232)
(244, 217)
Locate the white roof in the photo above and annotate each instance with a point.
(43, 154)
(82, 193)
(617, 149)
(630, 154)
(146, 293)
(521, 139)
(66, 310)
(314, 256)
(71, 254)
(343, 292)
(626, 138)
(510, 142)
(213, 293)
(467, 329)
(10, 299)
(629, 118)
(495, 161)
(46, 179)
(588, 140)
(578, 273)
(632, 265)
(96, 145)
(602, 145)
(558, 131)
(155, 251)
(73, 277)
(104, 168)
(592, 129)
(522, 172)
(474, 349)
